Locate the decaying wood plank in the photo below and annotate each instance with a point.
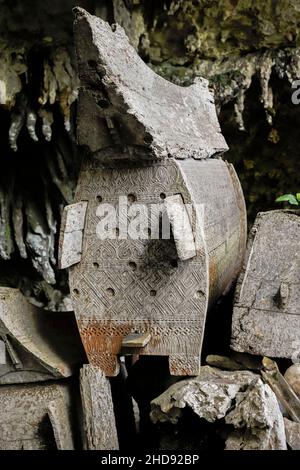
(24, 417)
(236, 361)
(266, 318)
(149, 143)
(35, 343)
(71, 234)
(99, 425)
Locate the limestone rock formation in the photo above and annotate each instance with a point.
(240, 397)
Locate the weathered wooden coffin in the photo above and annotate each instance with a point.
(35, 345)
(266, 317)
(36, 417)
(149, 142)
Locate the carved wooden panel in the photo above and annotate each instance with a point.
(36, 417)
(123, 286)
(266, 317)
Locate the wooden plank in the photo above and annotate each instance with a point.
(136, 340)
(181, 227)
(59, 417)
(286, 396)
(266, 316)
(99, 424)
(71, 234)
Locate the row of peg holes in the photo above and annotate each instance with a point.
(111, 293)
(133, 265)
(131, 197)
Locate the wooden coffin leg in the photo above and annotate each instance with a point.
(179, 364)
(108, 363)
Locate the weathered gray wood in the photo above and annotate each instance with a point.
(59, 416)
(71, 234)
(24, 417)
(137, 104)
(127, 285)
(210, 395)
(36, 346)
(181, 226)
(99, 426)
(130, 119)
(239, 397)
(266, 318)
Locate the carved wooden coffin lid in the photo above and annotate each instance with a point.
(266, 317)
(128, 104)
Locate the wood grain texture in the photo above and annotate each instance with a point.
(134, 270)
(70, 242)
(98, 412)
(266, 318)
(24, 417)
(36, 345)
(135, 102)
(136, 340)
(181, 227)
(289, 401)
(148, 142)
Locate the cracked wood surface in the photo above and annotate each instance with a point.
(140, 131)
(122, 94)
(266, 316)
(99, 424)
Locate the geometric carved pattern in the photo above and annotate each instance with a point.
(148, 141)
(127, 286)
